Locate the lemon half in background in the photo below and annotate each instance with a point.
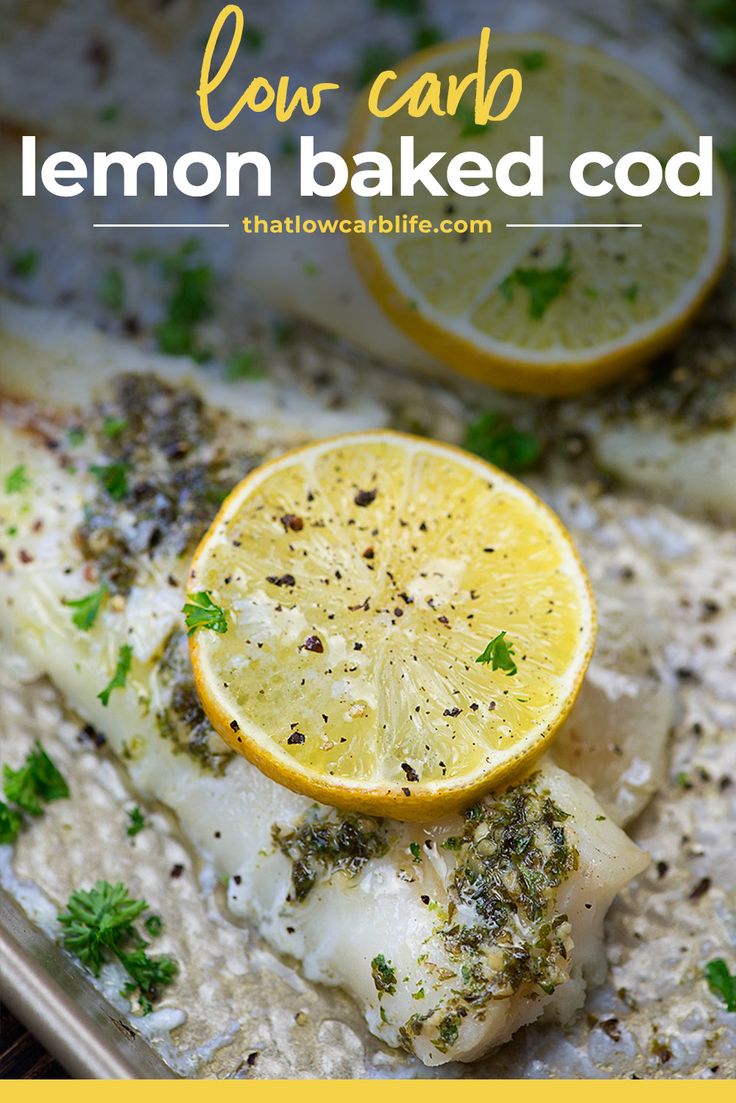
(548, 311)
(360, 579)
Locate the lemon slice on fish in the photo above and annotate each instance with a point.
(387, 624)
(531, 308)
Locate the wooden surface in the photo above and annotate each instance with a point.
(21, 1056)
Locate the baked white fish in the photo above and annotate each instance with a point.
(449, 936)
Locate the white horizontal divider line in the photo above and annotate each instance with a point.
(574, 225)
(160, 225)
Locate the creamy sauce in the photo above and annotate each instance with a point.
(657, 935)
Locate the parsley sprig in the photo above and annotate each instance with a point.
(87, 608)
(10, 823)
(136, 822)
(113, 427)
(533, 60)
(112, 289)
(493, 437)
(17, 481)
(114, 478)
(719, 17)
(246, 365)
(728, 158)
(465, 115)
(417, 33)
(373, 59)
(120, 677)
(200, 611)
(499, 654)
(722, 982)
(99, 919)
(384, 975)
(408, 8)
(544, 285)
(23, 262)
(98, 926)
(37, 782)
(191, 283)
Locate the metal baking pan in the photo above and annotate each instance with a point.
(59, 1004)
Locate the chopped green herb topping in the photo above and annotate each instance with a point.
(728, 159)
(183, 722)
(502, 932)
(110, 114)
(499, 653)
(533, 60)
(341, 841)
(37, 780)
(120, 677)
(254, 38)
(288, 146)
(412, 1028)
(245, 366)
(154, 925)
(415, 851)
(466, 117)
(87, 608)
(631, 293)
(177, 470)
(447, 1032)
(544, 285)
(494, 438)
(513, 856)
(191, 283)
(720, 19)
(114, 478)
(98, 926)
(427, 35)
(722, 982)
(112, 289)
(190, 301)
(10, 823)
(24, 263)
(136, 824)
(17, 481)
(283, 331)
(409, 8)
(112, 427)
(384, 975)
(76, 436)
(372, 60)
(200, 611)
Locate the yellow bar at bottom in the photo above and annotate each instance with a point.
(367, 1091)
